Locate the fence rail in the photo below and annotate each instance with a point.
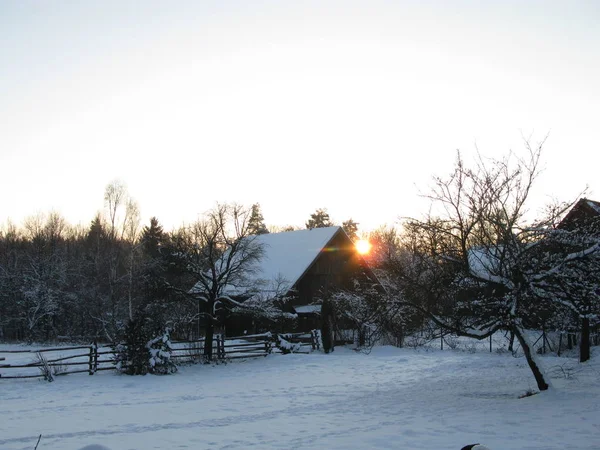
(60, 360)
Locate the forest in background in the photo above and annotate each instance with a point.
(473, 265)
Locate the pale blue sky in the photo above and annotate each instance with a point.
(296, 105)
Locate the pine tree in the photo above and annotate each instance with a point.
(152, 238)
(319, 219)
(146, 347)
(96, 230)
(351, 228)
(256, 223)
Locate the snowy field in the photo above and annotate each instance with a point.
(390, 399)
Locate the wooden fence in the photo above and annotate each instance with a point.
(300, 342)
(50, 362)
(94, 358)
(224, 348)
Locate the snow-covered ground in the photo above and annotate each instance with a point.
(390, 399)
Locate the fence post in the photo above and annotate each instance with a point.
(91, 369)
(490, 343)
(223, 346)
(95, 355)
(560, 336)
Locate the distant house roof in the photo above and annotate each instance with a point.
(582, 211)
(287, 255)
(285, 258)
(307, 309)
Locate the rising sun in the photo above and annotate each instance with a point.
(363, 246)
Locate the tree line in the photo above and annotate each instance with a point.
(59, 281)
(475, 264)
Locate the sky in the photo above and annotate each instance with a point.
(345, 105)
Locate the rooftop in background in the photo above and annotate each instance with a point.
(584, 210)
(289, 254)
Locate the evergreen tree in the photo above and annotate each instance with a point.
(256, 223)
(152, 238)
(96, 231)
(146, 347)
(133, 355)
(319, 219)
(351, 228)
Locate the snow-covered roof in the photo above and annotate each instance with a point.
(483, 262)
(307, 309)
(594, 205)
(486, 264)
(286, 256)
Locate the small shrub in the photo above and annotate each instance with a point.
(286, 346)
(452, 342)
(44, 367)
(415, 341)
(471, 347)
(566, 371)
(59, 369)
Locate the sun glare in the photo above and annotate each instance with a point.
(363, 246)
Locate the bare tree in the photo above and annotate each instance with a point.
(131, 229)
(482, 238)
(115, 197)
(44, 274)
(219, 254)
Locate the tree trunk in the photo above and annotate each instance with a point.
(584, 347)
(130, 287)
(537, 373)
(209, 332)
(511, 342)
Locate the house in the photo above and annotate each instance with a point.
(304, 266)
(580, 214)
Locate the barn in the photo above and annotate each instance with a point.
(304, 266)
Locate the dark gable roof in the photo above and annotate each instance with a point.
(582, 211)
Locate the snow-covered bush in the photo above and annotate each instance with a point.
(144, 350)
(286, 346)
(160, 361)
